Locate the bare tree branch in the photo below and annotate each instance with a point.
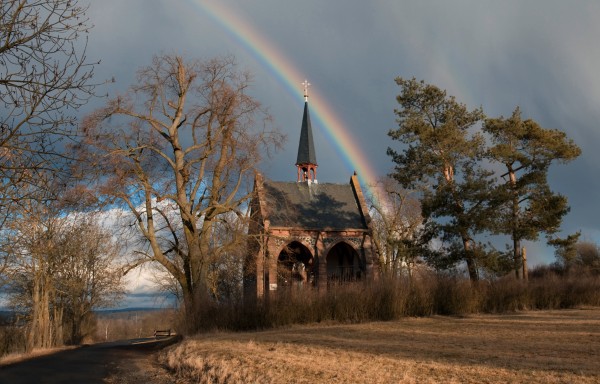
(179, 159)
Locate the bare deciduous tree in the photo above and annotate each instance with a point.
(63, 267)
(44, 78)
(32, 288)
(396, 214)
(588, 255)
(90, 277)
(178, 151)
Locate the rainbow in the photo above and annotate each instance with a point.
(267, 54)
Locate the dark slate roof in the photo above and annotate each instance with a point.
(306, 147)
(312, 206)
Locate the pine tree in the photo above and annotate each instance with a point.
(526, 205)
(442, 160)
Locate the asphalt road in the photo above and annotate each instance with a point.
(94, 364)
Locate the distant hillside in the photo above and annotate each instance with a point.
(109, 311)
(130, 313)
(6, 315)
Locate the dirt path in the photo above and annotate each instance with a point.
(130, 361)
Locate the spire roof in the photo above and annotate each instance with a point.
(306, 147)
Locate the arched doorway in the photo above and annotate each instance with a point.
(295, 265)
(343, 264)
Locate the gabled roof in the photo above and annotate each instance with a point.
(306, 147)
(312, 206)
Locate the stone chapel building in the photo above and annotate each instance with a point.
(306, 233)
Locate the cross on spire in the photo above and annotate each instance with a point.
(306, 85)
(306, 161)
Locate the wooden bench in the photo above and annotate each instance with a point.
(162, 333)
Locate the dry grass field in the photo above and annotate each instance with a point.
(561, 346)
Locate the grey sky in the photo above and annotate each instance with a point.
(540, 55)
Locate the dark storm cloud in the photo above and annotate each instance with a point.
(541, 55)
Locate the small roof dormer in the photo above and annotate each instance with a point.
(306, 162)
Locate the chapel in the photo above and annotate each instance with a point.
(305, 233)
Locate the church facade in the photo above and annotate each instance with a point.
(306, 233)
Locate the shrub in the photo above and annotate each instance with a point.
(504, 295)
(392, 298)
(12, 340)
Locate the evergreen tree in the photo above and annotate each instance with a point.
(526, 206)
(442, 160)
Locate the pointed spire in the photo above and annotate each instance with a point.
(306, 147)
(306, 161)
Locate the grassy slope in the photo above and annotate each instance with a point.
(538, 346)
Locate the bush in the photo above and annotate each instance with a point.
(393, 298)
(504, 295)
(456, 296)
(12, 340)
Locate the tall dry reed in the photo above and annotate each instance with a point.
(393, 298)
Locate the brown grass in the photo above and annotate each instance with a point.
(18, 357)
(558, 346)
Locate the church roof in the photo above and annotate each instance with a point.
(312, 206)
(306, 147)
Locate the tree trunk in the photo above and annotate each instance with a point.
(524, 256)
(517, 258)
(191, 304)
(471, 262)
